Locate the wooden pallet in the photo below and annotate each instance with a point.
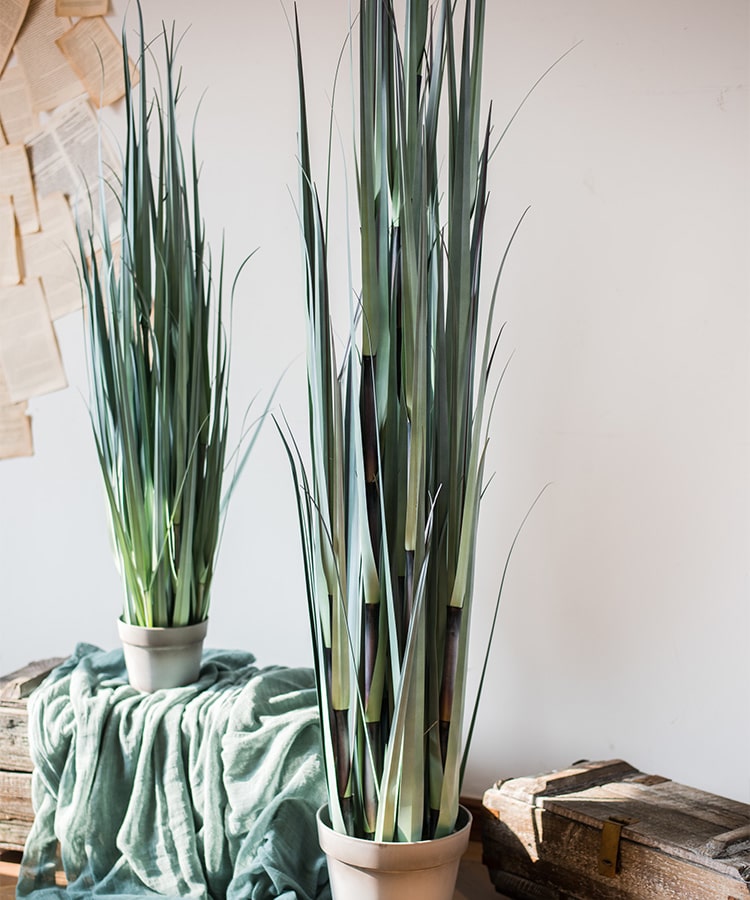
(605, 831)
(16, 811)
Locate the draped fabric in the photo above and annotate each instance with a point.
(207, 791)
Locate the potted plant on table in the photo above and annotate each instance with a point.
(388, 512)
(159, 365)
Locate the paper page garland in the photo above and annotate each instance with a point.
(51, 72)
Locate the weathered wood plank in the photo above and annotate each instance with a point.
(729, 844)
(578, 777)
(683, 830)
(15, 796)
(668, 795)
(13, 834)
(711, 805)
(14, 738)
(518, 888)
(19, 684)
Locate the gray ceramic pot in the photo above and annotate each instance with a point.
(366, 870)
(159, 658)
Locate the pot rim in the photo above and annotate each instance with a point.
(144, 635)
(361, 851)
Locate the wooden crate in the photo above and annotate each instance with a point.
(605, 831)
(16, 812)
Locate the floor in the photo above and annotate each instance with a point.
(8, 874)
(473, 881)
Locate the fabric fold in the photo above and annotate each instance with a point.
(207, 791)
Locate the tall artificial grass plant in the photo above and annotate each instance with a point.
(158, 354)
(388, 508)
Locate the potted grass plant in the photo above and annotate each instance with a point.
(388, 507)
(158, 360)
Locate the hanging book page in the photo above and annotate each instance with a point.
(10, 271)
(17, 117)
(51, 254)
(51, 80)
(29, 355)
(77, 8)
(12, 14)
(15, 182)
(95, 55)
(65, 158)
(15, 426)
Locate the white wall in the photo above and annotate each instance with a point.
(626, 616)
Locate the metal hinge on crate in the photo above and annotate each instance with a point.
(609, 846)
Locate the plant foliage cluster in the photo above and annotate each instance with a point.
(158, 363)
(389, 507)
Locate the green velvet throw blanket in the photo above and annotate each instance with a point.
(207, 791)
